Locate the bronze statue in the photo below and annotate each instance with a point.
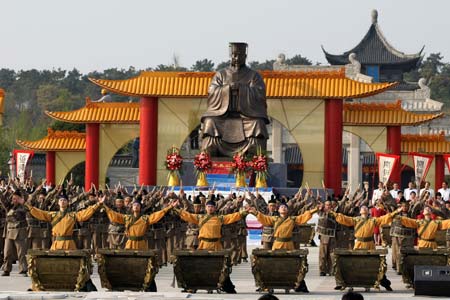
(236, 117)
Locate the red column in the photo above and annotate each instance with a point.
(148, 143)
(333, 144)
(393, 145)
(50, 167)
(92, 155)
(439, 171)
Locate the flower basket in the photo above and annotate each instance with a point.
(202, 164)
(240, 168)
(174, 162)
(260, 166)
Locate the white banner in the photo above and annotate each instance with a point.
(21, 164)
(422, 164)
(386, 163)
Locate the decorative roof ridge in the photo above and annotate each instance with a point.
(424, 137)
(372, 106)
(109, 105)
(58, 134)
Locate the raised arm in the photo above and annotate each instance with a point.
(86, 214)
(234, 217)
(386, 219)
(344, 220)
(188, 217)
(305, 217)
(411, 223)
(39, 214)
(445, 224)
(156, 216)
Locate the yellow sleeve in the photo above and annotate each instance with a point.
(114, 217)
(385, 219)
(86, 214)
(445, 224)
(39, 214)
(305, 217)
(264, 219)
(344, 220)
(234, 217)
(412, 223)
(188, 217)
(156, 216)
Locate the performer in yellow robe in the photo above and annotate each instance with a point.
(210, 231)
(364, 228)
(136, 225)
(63, 222)
(210, 225)
(283, 225)
(426, 228)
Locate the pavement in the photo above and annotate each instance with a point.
(15, 286)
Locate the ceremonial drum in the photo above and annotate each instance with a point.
(279, 269)
(127, 269)
(326, 226)
(201, 269)
(359, 268)
(441, 238)
(303, 234)
(401, 231)
(411, 257)
(59, 270)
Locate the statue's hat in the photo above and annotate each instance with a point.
(239, 47)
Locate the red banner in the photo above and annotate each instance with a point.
(422, 163)
(447, 160)
(386, 163)
(221, 167)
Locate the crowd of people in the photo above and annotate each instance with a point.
(67, 217)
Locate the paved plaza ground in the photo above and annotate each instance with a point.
(15, 286)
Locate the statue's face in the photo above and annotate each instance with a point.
(238, 58)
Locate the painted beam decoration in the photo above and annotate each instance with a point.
(422, 163)
(386, 163)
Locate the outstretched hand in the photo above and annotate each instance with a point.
(175, 203)
(251, 209)
(102, 199)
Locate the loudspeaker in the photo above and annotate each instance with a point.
(432, 280)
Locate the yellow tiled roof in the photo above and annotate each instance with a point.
(427, 143)
(108, 112)
(279, 84)
(383, 114)
(57, 141)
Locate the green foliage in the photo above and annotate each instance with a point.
(204, 65)
(267, 65)
(298, 60)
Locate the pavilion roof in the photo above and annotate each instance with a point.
(105, 112)
(57, 141)
(383, 114)
(279, 84)
(374, 49)
(425, 143)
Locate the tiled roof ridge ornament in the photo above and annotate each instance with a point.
(424, 88)
(354, 62)
(374, 15)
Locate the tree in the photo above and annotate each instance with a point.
(223, 65)
(267, 65)
(204, 65)
(298, 60)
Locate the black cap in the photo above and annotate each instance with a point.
(210, 202)
(239, 47)
(272, 201)
(119, 196)
(63, 195)
(17, 193)
(42, 192)
(197, 201)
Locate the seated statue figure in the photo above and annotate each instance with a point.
(236, 117)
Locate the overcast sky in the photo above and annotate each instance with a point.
(98, 34)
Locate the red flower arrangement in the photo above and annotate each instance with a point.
(202, 162)
(240, 163)
(174, 161)
(260, 165)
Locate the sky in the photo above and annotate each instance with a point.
(94, 35)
